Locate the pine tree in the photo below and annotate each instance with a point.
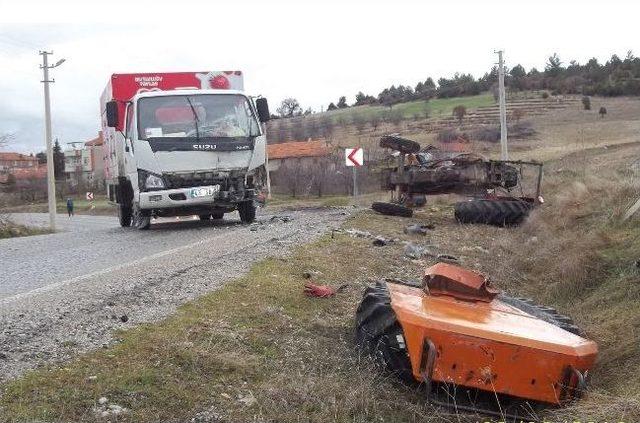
(58, 161)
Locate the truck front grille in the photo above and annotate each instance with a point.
(196, 179)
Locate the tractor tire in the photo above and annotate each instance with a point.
(400, 144)
(247, 211)
(125, 215)
(217, 215)
(379, 335)
(204, 216)
(392, 209)
(492, 212)
(548, 314)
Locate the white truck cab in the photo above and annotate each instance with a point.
(183, 150)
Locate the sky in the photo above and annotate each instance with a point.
(315, 51)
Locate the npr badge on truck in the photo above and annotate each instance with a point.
(170, 135)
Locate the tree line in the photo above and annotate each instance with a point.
(616, 77)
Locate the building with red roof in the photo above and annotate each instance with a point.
(303, 152)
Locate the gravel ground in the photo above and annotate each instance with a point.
(112, 278)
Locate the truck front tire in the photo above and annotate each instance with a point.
(141, 218)
(247, 211)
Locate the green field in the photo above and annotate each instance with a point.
(437, 108)
(81, 206)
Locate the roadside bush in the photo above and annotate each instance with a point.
(492, 133)
(586, 102)
(451, 135)
(396, 117)
(459, 112)
(359, 122)
(545, 95)
(487, 133)
(521, 130)
(602, 111)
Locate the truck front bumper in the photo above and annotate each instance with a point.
(183, 197)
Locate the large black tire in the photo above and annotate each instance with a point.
(247, 211)
(124, 215)
(492, 212)
(141, 218)
(400, 144)
(204, 216)
(548, 314)
(392, 209)
(217, 215)
(379, 334)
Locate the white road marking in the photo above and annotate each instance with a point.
(101, 272)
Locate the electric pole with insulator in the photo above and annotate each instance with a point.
(51, 179)
(504, 154)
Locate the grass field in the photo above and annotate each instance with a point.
(99, 206)
(9, 229)
(437, 107)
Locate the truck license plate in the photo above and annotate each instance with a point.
(204, 191)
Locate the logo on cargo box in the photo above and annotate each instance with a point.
(215, 80)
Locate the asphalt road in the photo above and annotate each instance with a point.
(76, 286)
(87, 244)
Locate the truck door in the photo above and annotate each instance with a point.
(130, 165)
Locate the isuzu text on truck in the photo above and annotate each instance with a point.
(186, 143)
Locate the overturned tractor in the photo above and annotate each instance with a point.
(473, 347)
(503, 191)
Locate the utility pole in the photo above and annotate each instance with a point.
(504, 154)
(51, 179)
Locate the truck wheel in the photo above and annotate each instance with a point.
(247, 211)
(392, 209)
(548, 314)
(217, 215)
(379, 334)
(205, 217)
(141, 218)
(124, 215)
(492, 212)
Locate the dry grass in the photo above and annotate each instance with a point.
(576, 254)
(8, 229)
(258, 337)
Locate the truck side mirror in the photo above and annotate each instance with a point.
(111, 110)
(263, 109)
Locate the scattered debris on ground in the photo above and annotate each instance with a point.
(381, 241)
(418, 229)
(105, 410)
(322, 291)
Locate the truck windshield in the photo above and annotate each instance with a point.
(196, 116)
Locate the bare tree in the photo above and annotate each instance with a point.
(326, 128)
(292, 177)
(602, 111)
(459, 112)
(289, 108)
(517, 114)
(5, 139)
(375, 122)
(359, 122)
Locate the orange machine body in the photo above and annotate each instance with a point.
(485, 343)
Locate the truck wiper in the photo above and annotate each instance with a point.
(195, 117)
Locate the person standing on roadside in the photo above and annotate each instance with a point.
(70, 207)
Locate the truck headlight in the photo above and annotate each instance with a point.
(153, 182)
